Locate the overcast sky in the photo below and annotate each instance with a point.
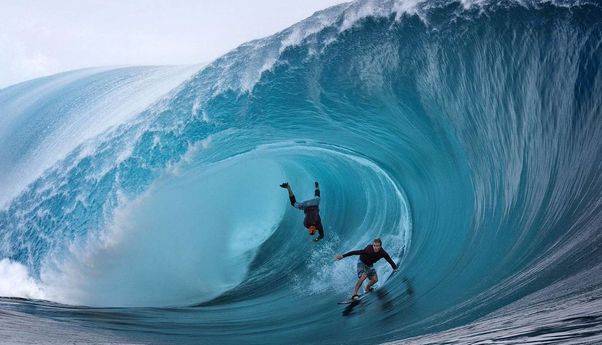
(42, 37)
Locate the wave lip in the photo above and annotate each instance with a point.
(49, 117)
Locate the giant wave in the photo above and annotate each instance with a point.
(142, 203)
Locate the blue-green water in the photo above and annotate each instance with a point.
(142, 205)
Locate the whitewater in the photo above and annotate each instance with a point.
(142, 205)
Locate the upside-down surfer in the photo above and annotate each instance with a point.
(368, 256)
(311, 209)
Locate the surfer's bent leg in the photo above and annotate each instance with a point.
(362, 274)
(373, 279)
(291, 195)
(359, 283)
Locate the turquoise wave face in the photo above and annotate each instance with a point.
(466, 137)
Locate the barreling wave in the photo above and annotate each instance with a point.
(465, 134)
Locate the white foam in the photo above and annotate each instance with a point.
(242, 68)
(15, 281)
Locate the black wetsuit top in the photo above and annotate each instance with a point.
(312, 211)
(369, 257)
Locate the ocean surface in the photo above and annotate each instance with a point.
(140, 205)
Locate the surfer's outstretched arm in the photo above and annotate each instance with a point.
(390, 261)
(353, 252)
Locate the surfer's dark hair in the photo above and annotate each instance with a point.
(378, 240)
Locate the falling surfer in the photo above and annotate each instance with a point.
(365, 265)
(311, 209)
